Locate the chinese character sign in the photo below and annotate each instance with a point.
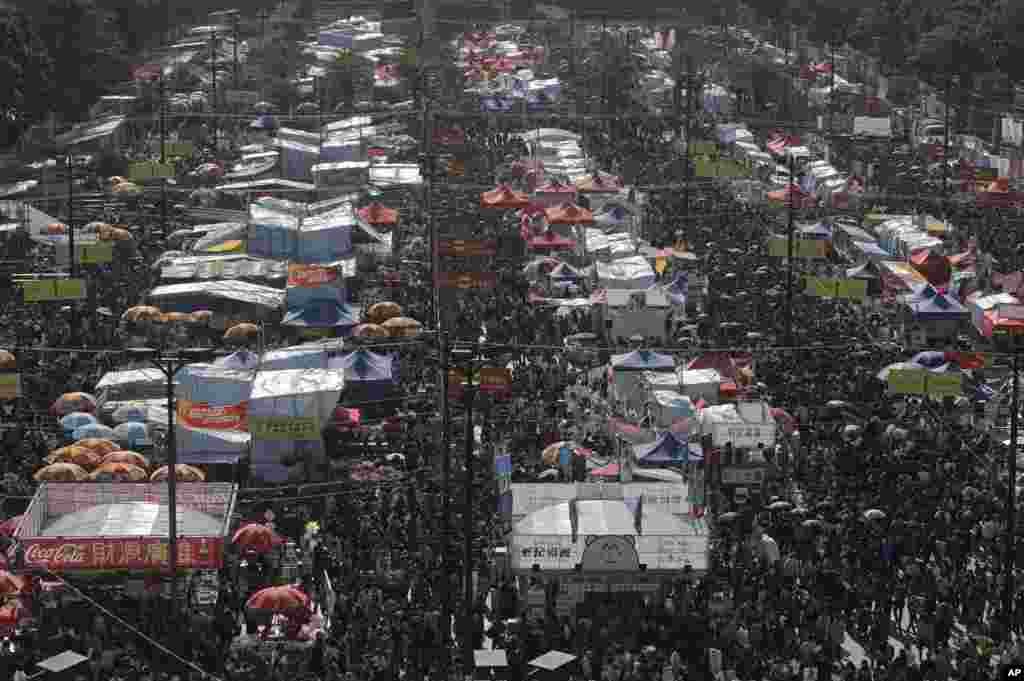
(122, 553)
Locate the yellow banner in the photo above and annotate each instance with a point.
(660, 263)
(182, 149)
(908, 381)
(823, 287)
(802, 248)
(703, 148)
(10, 386)
(95, 254)
(852, 289)
(149, 170)
(284, 427)
(43, 290)
(945, 385)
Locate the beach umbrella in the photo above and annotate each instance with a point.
(504, 196)
(126, 456)
(101, 445)
(13, 612)
(93, 430)
(80, 456)
(728, 517)
(780, 506)
(874, 514)
(7, 360)
(175, 317)
(136, 413)
(183, 473)
(383, 311)
(201, 317)
(371, 331)
(75, 401)
(56, 228)
(256, 537)
(278, 599)
(61, 472)
(241, 333)
(132, 434)
(76, 419)
(119, 470)
(12, 585)
(141, 313)
(402, 327)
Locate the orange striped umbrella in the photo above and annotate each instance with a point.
(184, 473)
(371, 331)
(383, 311)
(126, 456)
(120, 471)
(78, 455)
(101, 446)
(61, 472)
(7, 360)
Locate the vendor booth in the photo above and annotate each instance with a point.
(628, 372)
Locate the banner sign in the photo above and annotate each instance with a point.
(744, 435)
(140, 171)
(285, 427)
(181, 149)
(202, 415)
(94, 254)
(822, 287)
(10, 386)
(827, 287)
(907, 381)
(467, 280)
(495, 380)
(802, 248)
(744, 476)
(467, 248)
(944, 385)
(311, 276)
(44, 290)
(111, 553)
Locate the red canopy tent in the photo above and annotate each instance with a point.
(503, 196)
(934, 267)
(377, 214)
(568, 214)
(549, 241)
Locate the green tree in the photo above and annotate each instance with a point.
(26, 73)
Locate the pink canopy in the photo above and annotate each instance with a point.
(610, 470)
(550, 241)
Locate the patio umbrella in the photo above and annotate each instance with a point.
(874, 514)
(402, 327)
(60, 472)
(77, 401)
(279, 599)
(119, 470)
(383, 311)
(175, 317)
(568, 214)
(201, 317)
(12, 613)
(256, 537)
(184, 473)
(77, 419)
(241, 333)
(503, 196)
(7, 360)
(132, 434)
(80, 456)
(102, 446)
(12, 585)
(139, 413)
(93, 430)
(126, 456)
(780, 506)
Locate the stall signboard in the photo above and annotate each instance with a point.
(467, 248)
(662, 496)
(744, 476)
(494, 380)
(549, 552)
(852, 289)
(285, 427)
(113, 553)
(822, 287)
(311, 276)
(10, 386)
(945, 385)
(744, 435)
(908, 381)
(46, 290)
(94, 254)
(802, 248)
(203, 415)
(467, 280)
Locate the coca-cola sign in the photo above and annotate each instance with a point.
(54, 554)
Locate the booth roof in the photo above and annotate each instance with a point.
(132, 519)
(599, 517)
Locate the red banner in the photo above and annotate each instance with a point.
(494, 380)
(311, 276)
(202, 415)
(467, 280)
(116, 553)
(467, 249)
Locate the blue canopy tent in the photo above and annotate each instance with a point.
(272, 233)
(323, 314)
(496, 104)
(643, 360)
(819, 231)
(369, 376)
(930, 305)
(325, 239)
(667, 449)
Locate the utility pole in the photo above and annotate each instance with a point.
(213, 87)
(469, 397)
(790, 229)
(163, 152)
(945, 144)
(690, 86)
(235, 36)
(72, 255)
(1010, 532)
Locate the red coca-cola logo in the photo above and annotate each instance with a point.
(58, 554)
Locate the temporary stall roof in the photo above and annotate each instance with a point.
(643, 360)
(929, 304)
(390, 174)
(662, 381)
(364, 366)
(223, 267)
(322, 314)
(267, 185)
(204, 446)
(90, 131)
(219, 234)
(601, 518)
(633, 272)
(227, 289)
(615, 242)
(667, 449)
(132, 519)
(288, 384)
(143, 376)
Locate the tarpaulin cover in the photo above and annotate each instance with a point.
(297, 160)
(230, 231)
(322, 314)
(666, 449)
(325, 238)
(272, 233)
(364, 366)
(929, 304)
(643, 360)
(934, 267)
(634, 272)
(228, 289)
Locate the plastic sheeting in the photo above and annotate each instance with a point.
(228, 289)
(634, 272)
(643, 360)
(133, 519)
